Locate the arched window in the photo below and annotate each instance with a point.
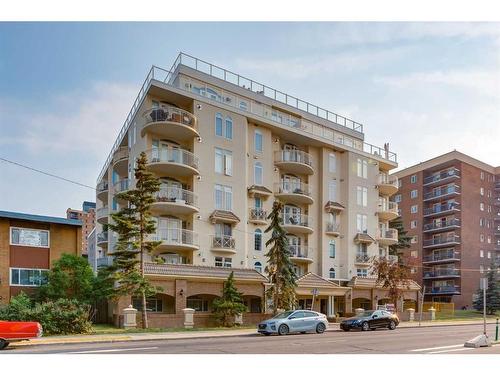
(331, 273)
(258, 173)
(258, 267)
(229, 128)
(258, 240)
(218, 124)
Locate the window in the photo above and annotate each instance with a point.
(414, 239)
(257, 203)
(413, 193)
(489, 254)
(362, 168)
(258, 240)
(258, 141)
(362, 196)
(229, 128)
(258, 173)
(223, 161)
(481, 206)
(400, 182)
(28, 277)
(482, 175)
(331, 248)
(223, 262)
(361, 223)
(414, 209)
(481, 268)
(332, 163)
(413, 224)
(218, 124)
(397, 198)
(488, 239)
(223, 197)
(197, 303)
(414, 254)
(29, 237)
(362, 272)
(332, 190)
(331, 273)
(152, 304)
(413, 178)
(481, 222)
(481, 238)
(257, 267)
(481, 191)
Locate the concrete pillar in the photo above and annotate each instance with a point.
(330, 306)
(432, 310)
(359, 311)
(188, 318)
(348, 302)
(238, 319)
(411, 313)
(180, 295)
(129, 317)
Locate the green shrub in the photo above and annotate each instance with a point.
(19, 308)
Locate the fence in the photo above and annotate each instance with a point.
(442, 308)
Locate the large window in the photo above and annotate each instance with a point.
(223, 161)
(28, 277)
(362, 168)
(332, 190)
(29, 237)
(223, 262)
(258, 173)
(258, 141)
(332, 248)
(362, 196)
(258, 240)
(229, 128)
(361, 223)
(218, 124)
(223, 128)
(152, 304)
(223, 197)
(197, 303)
(332, 163)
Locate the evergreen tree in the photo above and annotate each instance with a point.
(403, 239)
(230, 304)
(279, 266)
(134, 224)
(492, 293)
(391, 276)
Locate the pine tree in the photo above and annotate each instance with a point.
(134, 224)
(403, 239)
(279, 266)
(391, 276)
(492, 293)
(230, 304)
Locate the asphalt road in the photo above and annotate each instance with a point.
(428, 340)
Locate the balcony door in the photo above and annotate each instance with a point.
(169, 229)
(294, 243)
(163, 150)
(171, 189)
(291, 214)
(290, 183)
(290, 153)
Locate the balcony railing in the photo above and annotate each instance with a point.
(442, 240)
(258, 214)
(363, 258)
(175, 236)
(102, 186)
(175, 194)
(442, 256)
(292, 187)
(441, 192)
(223, 242)
(104, 262)
(293, 156)
(442, 224)
(299, 220)
(122, 185)
(390, 234)
(385, 179)
(102, 212)
(120, 154)
(443, 272)
(332, 227)
(387, 206)
(178, 156)
(445, 289)
(442, 208)
(102, 237)
(297, 251)
(170, 114)
(453, 172)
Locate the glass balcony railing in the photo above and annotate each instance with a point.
(102, 186)
(438, 209)
(122, 185)
(293, 156)
(297, 251)
(442, 240)
(296, 220)
(442, 256)
(453, 172)
(177, 156)
(175, 194)
(443, 272)
(444, 289)
(292, 187)
(167, 113)
(442, 224)
(442, 192)
(175, 236)
(120, 154)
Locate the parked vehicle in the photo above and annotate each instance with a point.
(294, 321)
(18, 331)
(371, 319)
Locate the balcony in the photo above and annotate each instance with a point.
(223, 244)
(172, 162)
(446, 289)
(387, 210)
(102, 191)
(387, 237)
(170, 122)
(442, 257)
(441, 225)
(102, 239)
(294, 161)
(441, 273)
(104, 262)
(389, 258)
(442, 209)
(442, 241)
(257, 216)
(293, 192)
(446, 191)
(120, 160)
(387, 185)
(101, 215)
(174, 200)
(120, 187)
(297, 224)
(496, 202)
(174, 239)
(442, 176)
(497, 186)
(363, 259)
(332, 229)
(300, 254)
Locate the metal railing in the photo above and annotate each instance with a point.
(385, 179)
(166, 113)
(102, 186)
(178, 156)
(442, 224)
(102, 237)
(363, 258)
(292, 187)
(102, 212)
(442, 240)
(297, 251)
(258, 214)
(292, 156)
(439, 256)
(387, 206)
(391, 234)
(332, 227)
(452, 172)
(223, 242)
(175, 194)
(175, 236)
(104, 262)
(442, 272)
(122, 185)
(389, 258)
(444, 289)
(120, 154)
(443, 191)
(298, 220)
(442, 208)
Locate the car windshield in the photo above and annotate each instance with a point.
(366, 313)
(283, 315)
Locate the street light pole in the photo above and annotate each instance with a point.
(484, 307)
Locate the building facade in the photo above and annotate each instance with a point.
(225, 147)
(29, 244)
(451, 207)
(87, 217)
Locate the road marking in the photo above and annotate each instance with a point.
(436, 348)
(450, 350)
(112, 350)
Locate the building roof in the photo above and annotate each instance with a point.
(371, 282)
(310, 282)
(39, 218)
(224, 216)
(258, 189)
(334, 206)
(363, 237)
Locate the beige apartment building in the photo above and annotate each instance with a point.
(225, 147)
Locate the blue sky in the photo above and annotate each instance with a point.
(66, 88)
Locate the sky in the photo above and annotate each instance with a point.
(66, 88)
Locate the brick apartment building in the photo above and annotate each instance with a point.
(451, 206)
(87, 216)
(29, 244)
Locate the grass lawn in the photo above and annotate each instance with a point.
(104, 329)
(463, 315)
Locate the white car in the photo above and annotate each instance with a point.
(294, 321)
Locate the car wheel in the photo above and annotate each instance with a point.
(365, 326)
(346, 329)
(3, 344)
(392, 325)
(320, 328)
(283, 330)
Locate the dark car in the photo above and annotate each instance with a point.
(371, 319)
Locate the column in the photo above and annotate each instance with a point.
(331, 306)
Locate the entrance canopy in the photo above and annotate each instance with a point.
(310, 282)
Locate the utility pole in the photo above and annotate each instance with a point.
(485, 286)
(421, 306)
